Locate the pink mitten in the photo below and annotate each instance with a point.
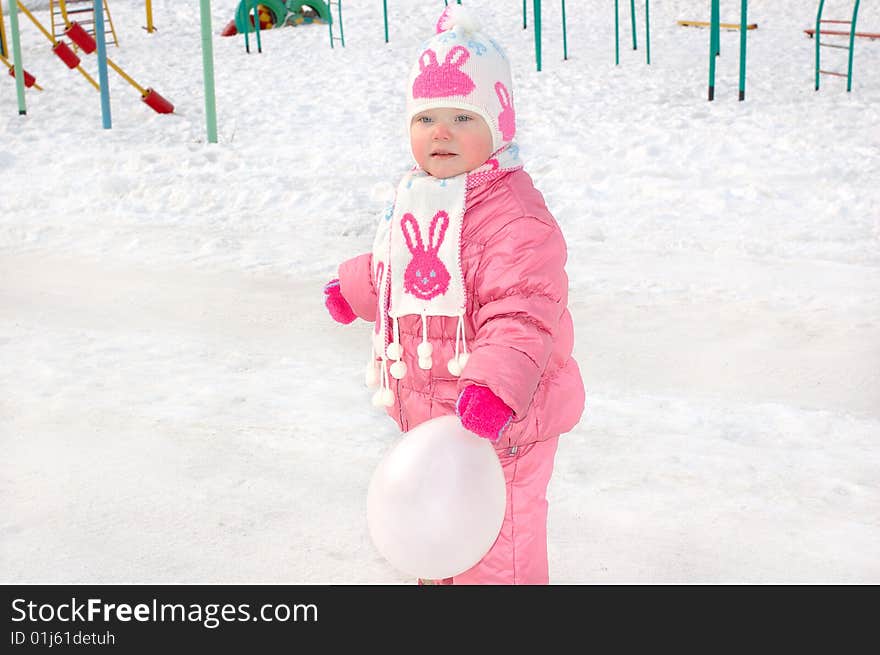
(338, 306)
(482, 412)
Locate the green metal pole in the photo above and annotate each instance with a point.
(564, 34)
(341, 29)
(816, 35)
(742, 49)
(715, 26)
(648, 31)
(16, 56)
(632, 15)
(330, 23)
(616, 34)
(852, 37)
(208, 71)
(537, 9)
(257, 26)
(385, 15)
(712, 49)
(524, 15)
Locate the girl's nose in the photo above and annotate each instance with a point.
(441, 131)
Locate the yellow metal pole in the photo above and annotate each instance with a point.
(52, 41)
(3, 47)
(150, 28)
(126, 77)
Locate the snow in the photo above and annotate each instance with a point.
(177, 407)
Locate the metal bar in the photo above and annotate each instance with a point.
(385, 15)
(712, 50)
(616, 34)
(330, 24)
(257, 27)
(852, 35)
(648, 31)
(149, 9)
(742, 49)
(632, 17)
(537, 10)
(818, 21)
(341, 28)
(16, 57)
(4, 48)
(564, 34)
(102, 66)
(208, 71)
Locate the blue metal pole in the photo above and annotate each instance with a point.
(103, 78)
(648, 31)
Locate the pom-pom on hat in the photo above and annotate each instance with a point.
(461, 67)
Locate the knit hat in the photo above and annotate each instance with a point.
(460, 67)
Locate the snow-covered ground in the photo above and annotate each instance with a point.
(175, 405)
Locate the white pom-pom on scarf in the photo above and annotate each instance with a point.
(457, 16)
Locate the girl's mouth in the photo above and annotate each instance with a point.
(443, 155)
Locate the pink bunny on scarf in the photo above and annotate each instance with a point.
(507, 117)
(425, 276)
(440, 80)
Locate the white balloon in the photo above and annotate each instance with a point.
(436, 501)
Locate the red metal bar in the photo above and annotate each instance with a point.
(80, 37)
(867, 35)
(29, 79)
(65, 54)
(157, 103)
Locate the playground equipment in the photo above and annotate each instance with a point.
(715, 47)
(60, 48)
(852, 37)
(149, 26)
(632, 14)
(208, 69)
(537, 13)
(88, 44)
(723, 26)
(29, 80)
(63, 12)
(258, 15)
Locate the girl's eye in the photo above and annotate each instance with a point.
(463, 118)
(424, 119)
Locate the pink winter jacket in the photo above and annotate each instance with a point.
(518, 328)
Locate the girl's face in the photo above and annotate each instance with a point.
(448, 142)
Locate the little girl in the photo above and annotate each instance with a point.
(467, 289)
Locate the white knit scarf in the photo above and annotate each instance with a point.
(417, 265)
